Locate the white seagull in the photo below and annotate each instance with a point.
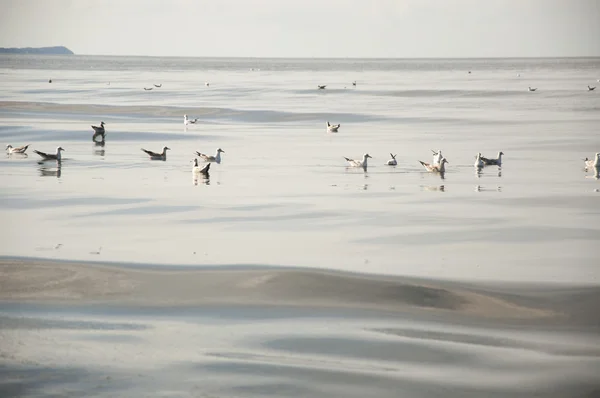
(359, 163)
(157, 156)
(20, 149)
(435, 168)
(208, 158)
(187, 121)
(437, 157)
(496, 162)
(197, 170)
(51, 156)
(478, 162)
(392, 161)
(532, 89)
(593, 163)
(333, 128)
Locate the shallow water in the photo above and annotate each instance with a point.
(283, 195)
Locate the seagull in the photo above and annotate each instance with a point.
(435, 168)
(591, 88)
(206, 84)
(20, 149)
(158, 85)
(148, 88)
(478, 162)
(157, 156)
(496, 162)
(333, 128)
(392, 161)
(51, 156)
(187, 121)
(437, 157)
(359, 163)
(354, 83)
(532, 89)
(98, 131)
(216, 158)
(593, 163)
(321, 87)
(197, 170)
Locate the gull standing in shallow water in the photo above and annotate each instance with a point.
(207, 158)
(99, 131)
(593, 163)
(392, 161)
(187, 121)
(495, 162)
(20, 149)
(51, 156)
(158, 156)
(358, 163)
(437, 168)
(333, 128)
(478, 162)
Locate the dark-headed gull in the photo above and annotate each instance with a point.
(532, 89)
(99, 131)
(208, 158)
(333, 128)
(20, 149)
(358, 163)
(593, 163)
(187, 121)
(51, 156)
(392, 161)
(157, 156)
(495, 162)
(437, 168)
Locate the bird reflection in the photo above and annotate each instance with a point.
(46, 171)
(440, 188)
(204, 178)
(596, 175)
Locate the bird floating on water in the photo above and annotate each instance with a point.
(20, 149)
(148, 88)
(197, 170)
(435, 168)
(358, 163)
(208, 158)
(157, 156)
(99, 131)
(333, 128)
(392, 161)
(158, 85)
(51, 156)
(532, 89)
(593, 163)
(322, 87)
(494, 162)
(187, 121)
(354, 83)
(591, 88)
(206, 84)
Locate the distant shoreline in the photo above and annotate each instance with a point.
(57, 50)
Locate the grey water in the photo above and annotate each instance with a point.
(283, 196)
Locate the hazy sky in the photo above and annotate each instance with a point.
(306, 28)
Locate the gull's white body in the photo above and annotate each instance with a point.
(358, 163)
(437, 157)
(51, 156)
(333, 128)
(435, 168)
(187, 121)
(392, 161)
(20, 149)
(593, 163)
(478, 162)
(198, 170)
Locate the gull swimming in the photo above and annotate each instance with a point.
(392, 161)
(496, 162)
(593, 163)
(322, 87)
(354, 83)
(99, 131)
(478, 162)
(532, 89)
(207, 158)
(158, 85)
(187, 121)
(435, 168)
(197, 170)
(591, 88)
(51, 156)
(20, 149)
(359, 163)
(333, 128)
(437, 157)
(206, 84)
(158, 156)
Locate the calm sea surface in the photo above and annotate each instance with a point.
(283, 196)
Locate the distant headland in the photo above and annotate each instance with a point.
(59, 50)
